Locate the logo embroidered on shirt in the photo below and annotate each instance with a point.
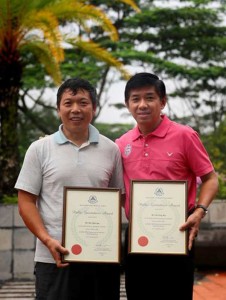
(169, 153)
(128, 150)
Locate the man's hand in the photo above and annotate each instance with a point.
(56, 249)
(192, 225)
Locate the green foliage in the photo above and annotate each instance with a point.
(222, 187)
(185, 44)
(113, 131)
(35, 124)
(9, 199)
(86, 66)
(215, 144)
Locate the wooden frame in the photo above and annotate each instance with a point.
(92, 224)
(157, 210)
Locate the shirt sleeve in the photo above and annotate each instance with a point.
(30, 176)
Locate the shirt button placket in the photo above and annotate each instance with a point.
(146, 154)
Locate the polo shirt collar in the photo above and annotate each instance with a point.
(60, 138)
(160, 131)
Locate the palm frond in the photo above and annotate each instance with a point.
(84, 14)
(47, 23)
(100, 53)
(131, 3)
(45, 57)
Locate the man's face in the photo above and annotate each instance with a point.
(145, 106)
(76, 112)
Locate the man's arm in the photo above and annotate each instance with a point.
(208, 191)
(32, 219)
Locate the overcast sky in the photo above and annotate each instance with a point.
(110, 114)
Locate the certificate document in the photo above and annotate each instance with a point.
(157, 210)
(92, 224)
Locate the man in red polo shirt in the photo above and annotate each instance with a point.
(160, 149)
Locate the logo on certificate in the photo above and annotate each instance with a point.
(159, 192)
(92, 199)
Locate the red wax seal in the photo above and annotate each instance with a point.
(76, 249)
(143, 241)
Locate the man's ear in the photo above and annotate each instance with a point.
(163, 102)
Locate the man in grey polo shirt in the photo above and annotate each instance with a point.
(76, 155)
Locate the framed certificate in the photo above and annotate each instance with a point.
(92, 225)
(157, 210)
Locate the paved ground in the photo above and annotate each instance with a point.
(209, 285)
(12, 290)
(24, 290)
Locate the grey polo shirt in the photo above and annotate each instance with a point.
(53, 162)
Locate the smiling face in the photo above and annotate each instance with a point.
(76, 112)
(145, 105)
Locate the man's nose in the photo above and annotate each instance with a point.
(143, 103)
(75, 108)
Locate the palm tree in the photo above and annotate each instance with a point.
(34, 27)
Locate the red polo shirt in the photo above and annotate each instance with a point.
(171, 152)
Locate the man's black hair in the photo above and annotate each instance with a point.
(144, 79)
(74, 85)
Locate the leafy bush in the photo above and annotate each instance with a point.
(9, 199)
(222, 187)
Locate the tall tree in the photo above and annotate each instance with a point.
(33, 27)
(183, 42)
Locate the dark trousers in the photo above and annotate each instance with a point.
(78, 281)
(159, 277)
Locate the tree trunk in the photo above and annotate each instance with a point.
(10, 79)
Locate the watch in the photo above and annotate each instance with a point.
(205, 209)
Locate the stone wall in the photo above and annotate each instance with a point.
(17, 245)
(211, 240)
